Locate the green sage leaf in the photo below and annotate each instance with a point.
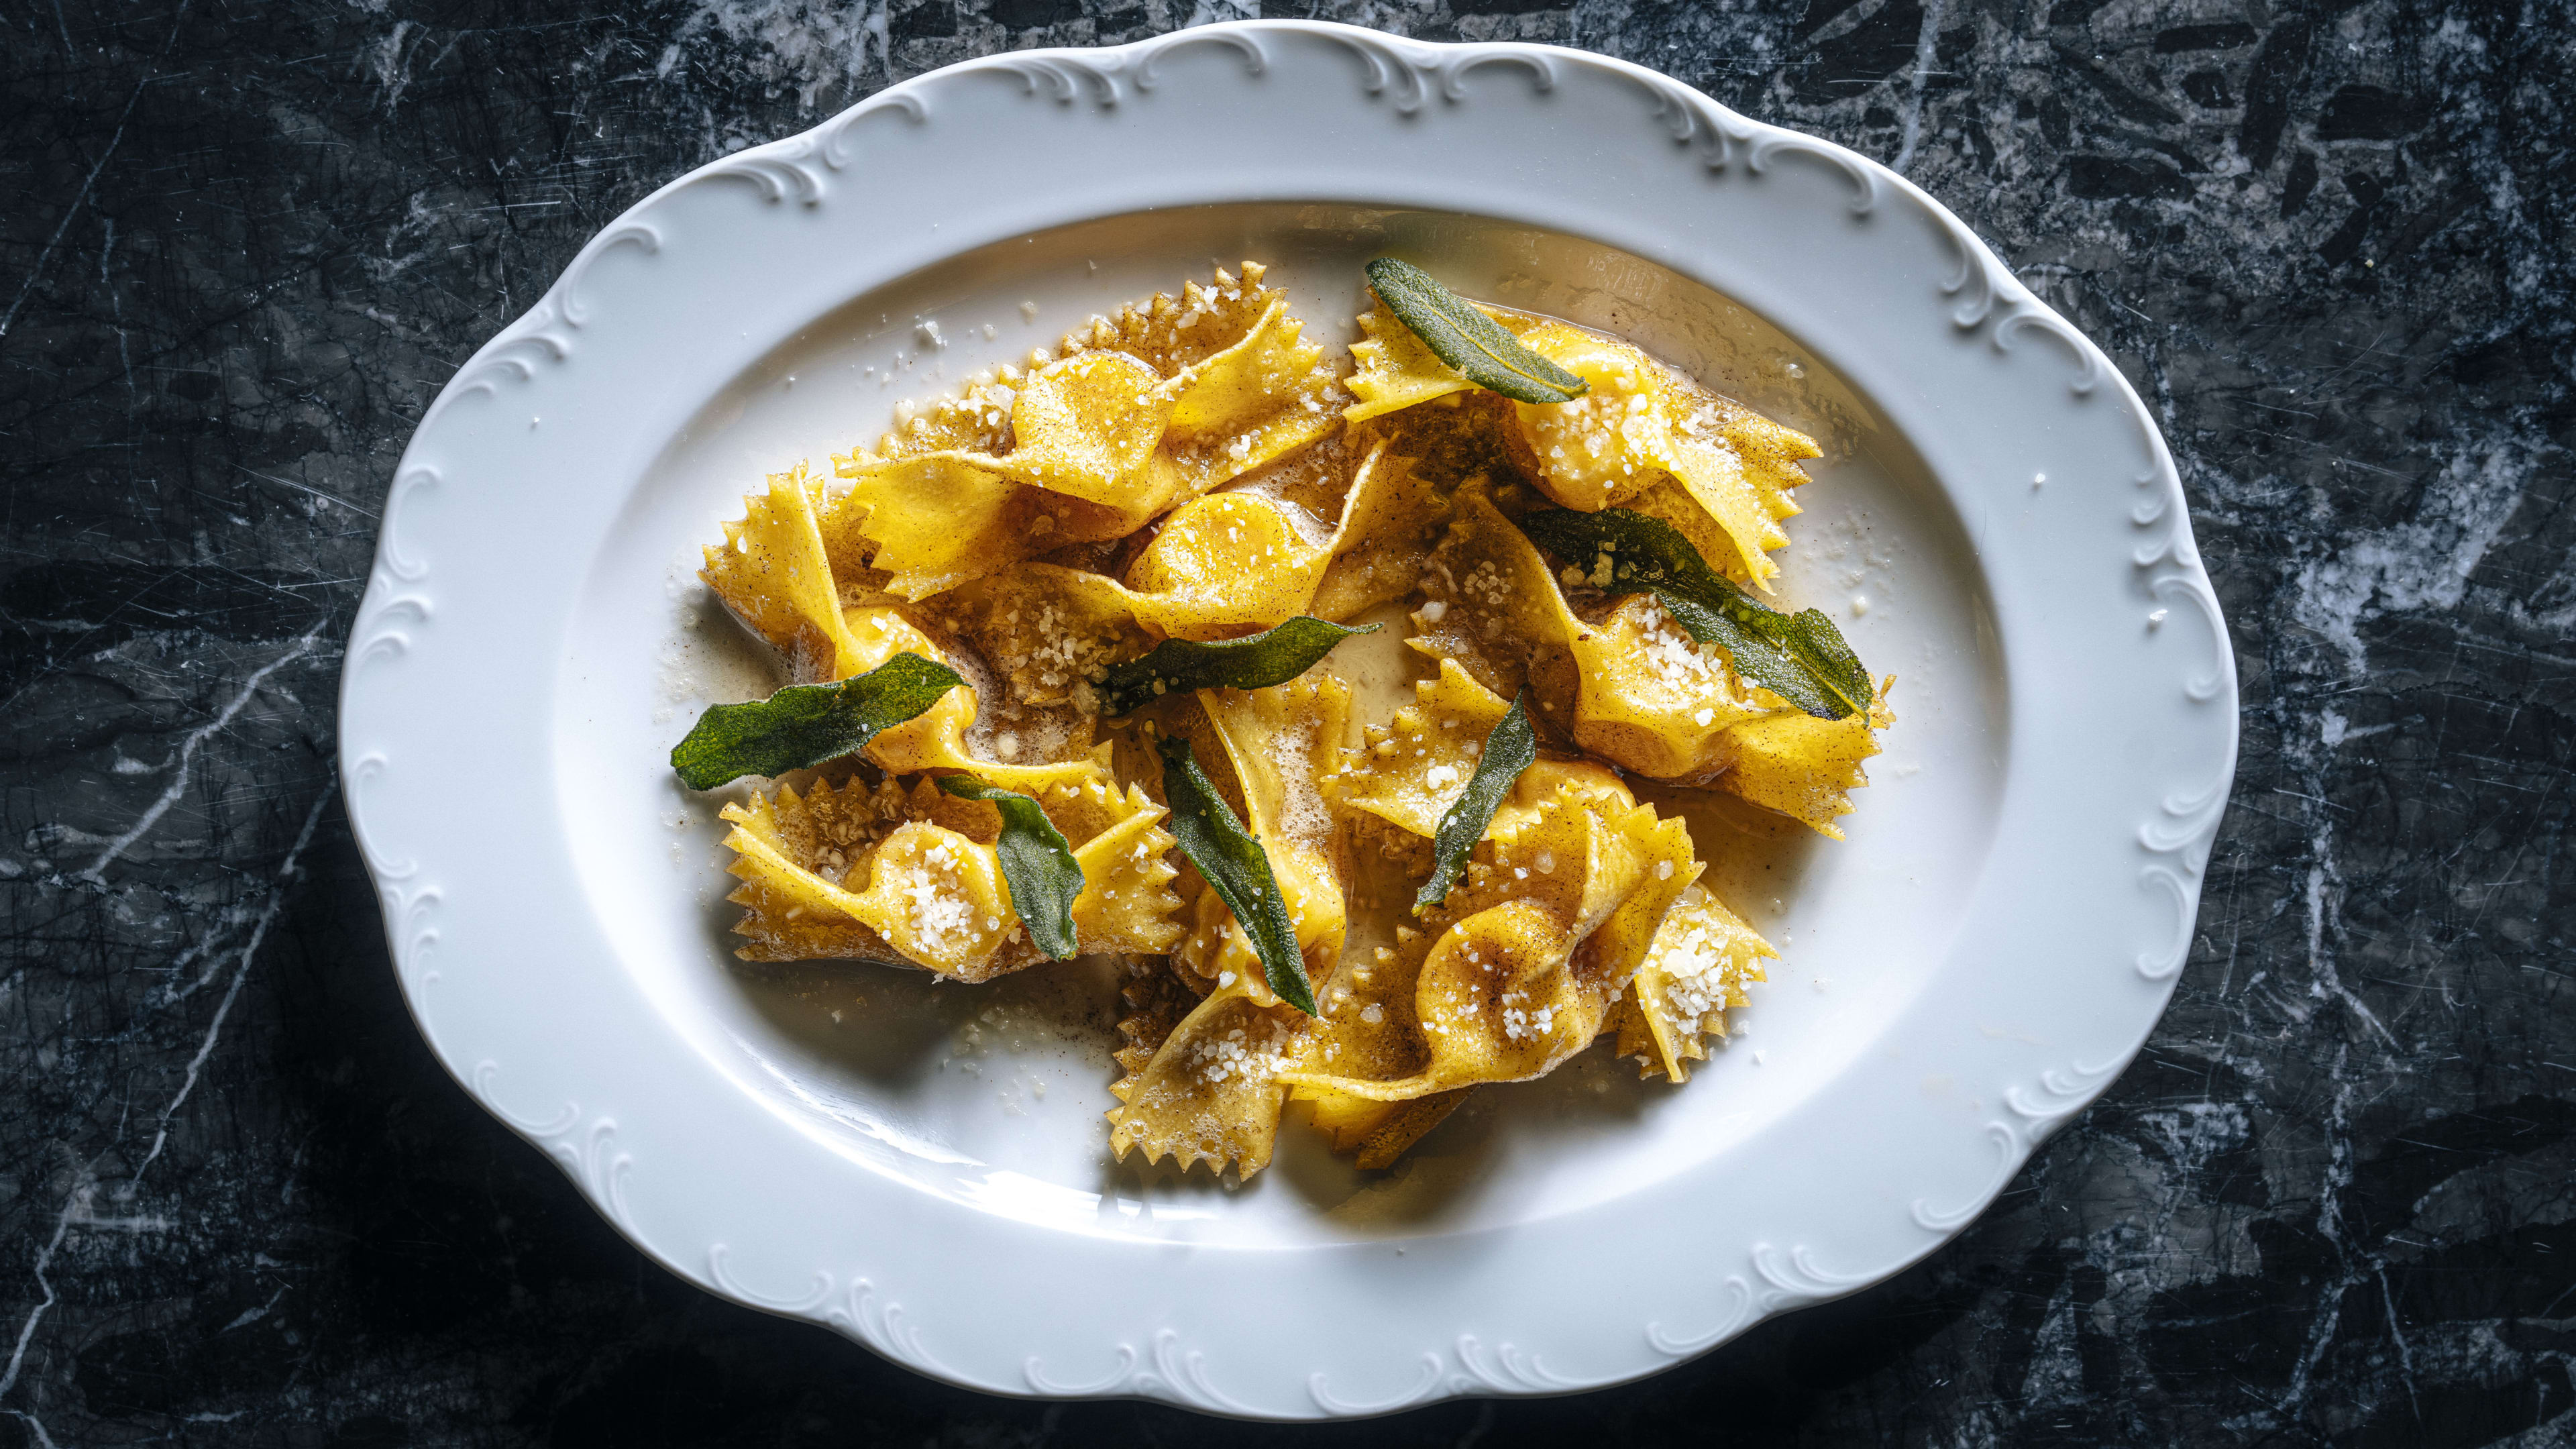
(1468, 340)
(805, 724)
(1508, 751)
(1037, 863)
(1237, 868)
(1800, 657)
(1257, 661)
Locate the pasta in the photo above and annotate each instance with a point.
(873, 870)
(1195, 473)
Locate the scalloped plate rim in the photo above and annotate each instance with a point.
(1406, 75)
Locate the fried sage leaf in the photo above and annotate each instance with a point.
(1468, 340)
(1800, 657)
(1508, 751)
(1237, 868)
(805, 724)
(1037, 863)
(1256, 661)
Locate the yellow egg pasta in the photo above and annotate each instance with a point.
(1223, 565)
(1492, 605)
(1518, 969)
(1198, 468)
(878, 872)
(1641, 426)
(1391, 518)
(1415, 766)
(1235, 563)
(1258, 400)
(1629, 685)
(1084, 466)
(1702, 957)
(774, 574)
(1209, 1089)
(1217, 567)
(1170, 401)
(1276, 745)
(1396, 371)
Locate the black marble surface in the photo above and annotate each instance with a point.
(243, 243)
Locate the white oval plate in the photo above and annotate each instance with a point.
(925, 1169)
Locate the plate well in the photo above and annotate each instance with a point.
(992, 1096)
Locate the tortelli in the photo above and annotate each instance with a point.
(1102, 546)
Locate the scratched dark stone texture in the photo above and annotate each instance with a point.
(242, 245)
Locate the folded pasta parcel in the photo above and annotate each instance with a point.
(1087, 659)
